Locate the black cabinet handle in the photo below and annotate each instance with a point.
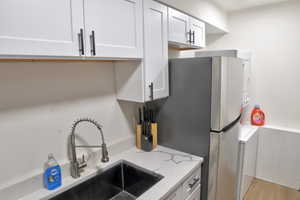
(193, 41)
(80, 42)
(190, 36)
(192, 185)
(93, 44)
(151, 92)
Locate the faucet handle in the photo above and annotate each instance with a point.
(82, 159)
(82, 163)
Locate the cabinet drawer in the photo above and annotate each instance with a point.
(175, 195)
(191, 183)
(195, 195)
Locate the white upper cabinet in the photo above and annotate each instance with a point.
(156, 50)
(179, 27)
(34, 28)
(71, 28)
(185, 31)
(96, 29)
(146, 80)
(114, 28)
(197, 33)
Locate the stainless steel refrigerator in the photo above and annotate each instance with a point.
(201, 116)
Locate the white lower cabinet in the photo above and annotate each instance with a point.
(191, 183)
(176, 195)
(190, 189)
(196, 195)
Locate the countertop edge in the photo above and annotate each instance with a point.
(69, 182)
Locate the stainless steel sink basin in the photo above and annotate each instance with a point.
(124, 181)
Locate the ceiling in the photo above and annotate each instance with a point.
(233, 5)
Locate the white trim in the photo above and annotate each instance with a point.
(284, 129)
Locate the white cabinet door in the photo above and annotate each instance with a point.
(195, 195)
(191, 184)
(176, 195)
(117, 28)
(179, 27)
(156, 50)
(198, 33)
(34, 28)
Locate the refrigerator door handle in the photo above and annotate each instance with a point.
(229, 126)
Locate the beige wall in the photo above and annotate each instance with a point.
(40, 101)
(272, 34)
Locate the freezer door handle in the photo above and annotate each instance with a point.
(229, 126)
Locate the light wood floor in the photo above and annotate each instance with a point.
(262, 190)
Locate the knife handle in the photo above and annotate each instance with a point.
(144, 114)
(140, 116)
(152, 116)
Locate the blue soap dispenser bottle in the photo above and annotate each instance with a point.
(52, 173)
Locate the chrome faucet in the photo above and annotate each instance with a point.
(78, 166)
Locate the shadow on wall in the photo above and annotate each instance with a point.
(27, 84)
(130, 111)
(211, 38)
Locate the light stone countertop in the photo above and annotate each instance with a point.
(247, 131)
(175, 166)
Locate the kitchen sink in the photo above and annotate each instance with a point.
(123, 181)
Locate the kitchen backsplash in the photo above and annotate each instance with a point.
(39, 102)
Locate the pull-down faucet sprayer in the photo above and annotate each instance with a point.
(76, 166)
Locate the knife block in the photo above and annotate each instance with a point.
(138, 136)
(154, 134)
(146, 143)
